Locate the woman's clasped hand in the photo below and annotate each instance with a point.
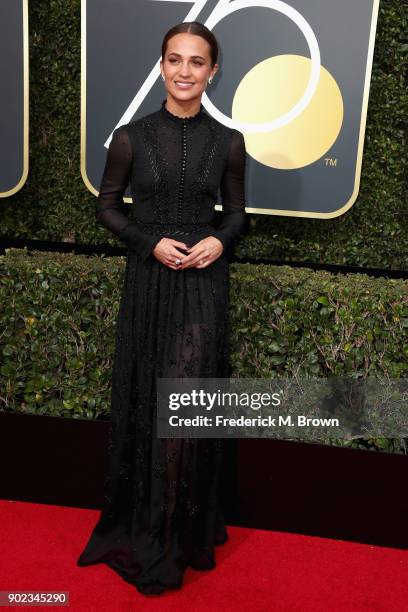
(202, 254)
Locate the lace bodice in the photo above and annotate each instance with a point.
(176, 167)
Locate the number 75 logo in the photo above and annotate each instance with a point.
(294, 78)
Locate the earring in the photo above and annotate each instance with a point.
(163, 77)
(210, 80)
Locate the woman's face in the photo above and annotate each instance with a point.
(187, 60)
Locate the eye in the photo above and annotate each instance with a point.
(172, 60)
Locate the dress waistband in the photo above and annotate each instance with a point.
(174, 228)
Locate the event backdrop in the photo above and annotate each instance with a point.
(55, 204)
(294, 78)
(14, 96)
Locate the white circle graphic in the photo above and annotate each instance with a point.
(224, 8)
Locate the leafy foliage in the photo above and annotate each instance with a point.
(58, 314)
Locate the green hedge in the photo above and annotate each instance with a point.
(55, 204)
(58, 314)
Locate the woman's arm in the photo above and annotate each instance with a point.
(233, 193)
(110, 210)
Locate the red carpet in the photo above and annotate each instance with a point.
(256, 570)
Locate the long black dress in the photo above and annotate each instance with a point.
(161, 505)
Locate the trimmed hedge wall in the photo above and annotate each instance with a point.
(58, 313)
(54, 204)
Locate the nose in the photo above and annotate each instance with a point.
(185, 70)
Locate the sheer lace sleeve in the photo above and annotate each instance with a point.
(233, 193)
(110, 210)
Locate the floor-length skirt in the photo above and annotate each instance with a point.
(161, 509)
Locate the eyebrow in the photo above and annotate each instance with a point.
(178, 54)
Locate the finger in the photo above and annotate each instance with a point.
(201, 256)
(197, 262)
(182, 245)
(170, 264)
(194, 248)
(201, 244)
(188, 262)
(176, 257)
(205, 264)
(174, 251)
(199, 252)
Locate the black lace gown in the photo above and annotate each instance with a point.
(161, 508)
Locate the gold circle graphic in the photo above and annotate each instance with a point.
(270, 89)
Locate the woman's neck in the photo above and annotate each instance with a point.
(188, 109)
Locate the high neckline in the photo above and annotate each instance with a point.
(190, 119)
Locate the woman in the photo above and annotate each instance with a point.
(161, 507)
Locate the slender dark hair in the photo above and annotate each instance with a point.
(197, 28)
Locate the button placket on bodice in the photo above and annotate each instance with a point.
(184, 124)
(182, 173)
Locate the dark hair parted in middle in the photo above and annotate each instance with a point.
(197, 28)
